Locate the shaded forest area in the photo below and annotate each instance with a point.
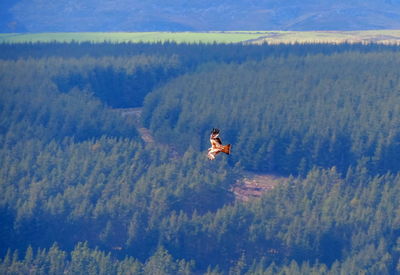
(81, 193)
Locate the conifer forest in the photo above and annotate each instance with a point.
(82, 192)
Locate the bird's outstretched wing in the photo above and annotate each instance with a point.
(214, 133)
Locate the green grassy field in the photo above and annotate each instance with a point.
(118, 37)
(378, 36)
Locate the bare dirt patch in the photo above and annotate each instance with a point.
(253, 185)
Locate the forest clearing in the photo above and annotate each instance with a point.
(254, 185)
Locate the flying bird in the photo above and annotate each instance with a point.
(216, 145)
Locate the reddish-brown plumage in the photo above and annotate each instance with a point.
(216, 145)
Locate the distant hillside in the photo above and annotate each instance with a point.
(196, 15)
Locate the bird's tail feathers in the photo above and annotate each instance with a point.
(226, 149)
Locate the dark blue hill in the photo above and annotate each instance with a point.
(178, 15)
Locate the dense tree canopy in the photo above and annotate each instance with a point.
(284, 114)
(82, 193)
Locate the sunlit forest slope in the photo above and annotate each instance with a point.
(288, 114)
(82, 193)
